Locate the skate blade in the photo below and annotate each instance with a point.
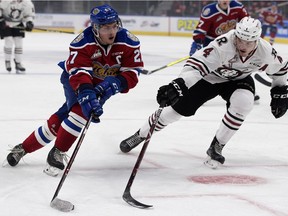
(51, 171)
(20, 72)
(5, 163)
(213, 164)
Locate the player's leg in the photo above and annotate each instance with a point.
(68, 132)
(168, 116)
(264, 30)
(18, 35)
(187, 106)
(273, 32)
(8, 46)
(240, 103)
(18, 52)
(38, 138)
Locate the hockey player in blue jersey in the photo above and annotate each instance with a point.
(104, 60)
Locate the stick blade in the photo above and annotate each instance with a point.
(62, 205)
(131, 201)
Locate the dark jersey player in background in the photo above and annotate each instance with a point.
(104, 59)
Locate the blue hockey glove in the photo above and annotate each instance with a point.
(108, 87)
(88, 102)
(29, 26)
(194, 47)
(279, 102)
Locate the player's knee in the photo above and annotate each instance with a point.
(241, 102)
(73, 124)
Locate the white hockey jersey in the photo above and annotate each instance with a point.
(220, 62)
(15, 12)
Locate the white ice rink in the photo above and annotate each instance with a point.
(172, 177)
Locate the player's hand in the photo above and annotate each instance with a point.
(88, 102)
(171, 93)
(108, 87)
(29, 26)
(194, 47)
(279, 101)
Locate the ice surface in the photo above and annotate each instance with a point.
(172, 177)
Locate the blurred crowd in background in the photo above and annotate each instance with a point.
(149, 8)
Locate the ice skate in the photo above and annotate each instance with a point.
(131, 142)
(19, 68)
(55, 162)
(8, 66)
(15, 155)
(214, 158)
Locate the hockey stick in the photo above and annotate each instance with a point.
(127, 194)
(146, 72)
(51, 30)
(262, 80)
(59, 204)
(47, 30)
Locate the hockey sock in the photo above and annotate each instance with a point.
(43, 135)
(168, 115)
(70, 129)
(241, 103)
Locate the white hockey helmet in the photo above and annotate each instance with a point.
(248, 29)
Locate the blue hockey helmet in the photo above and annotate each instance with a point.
(102, 15)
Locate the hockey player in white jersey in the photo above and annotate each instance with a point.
(16, 16)
(222, 68)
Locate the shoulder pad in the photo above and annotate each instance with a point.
(84, 37)
(209, 10)
(125, 36)
(235, 4)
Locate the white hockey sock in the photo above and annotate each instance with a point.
(168, 115)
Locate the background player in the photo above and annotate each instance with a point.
(222, 68)
(216, 19)
(270, 17)
(16, 16)
(104, 59)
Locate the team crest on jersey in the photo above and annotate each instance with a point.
(78, 38)
(96, 54)
(225, 27)
(132, 36)
(15, 13)
(101, 71)
(228, 73)
(206, 11)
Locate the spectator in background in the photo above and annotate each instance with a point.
(178, 9)
(270, 17)
(16, 16)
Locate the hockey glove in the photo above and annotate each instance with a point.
(110, 86)
(29, 26)
(194, 47)
(171, 93)
(279, 102)
(88, 102)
